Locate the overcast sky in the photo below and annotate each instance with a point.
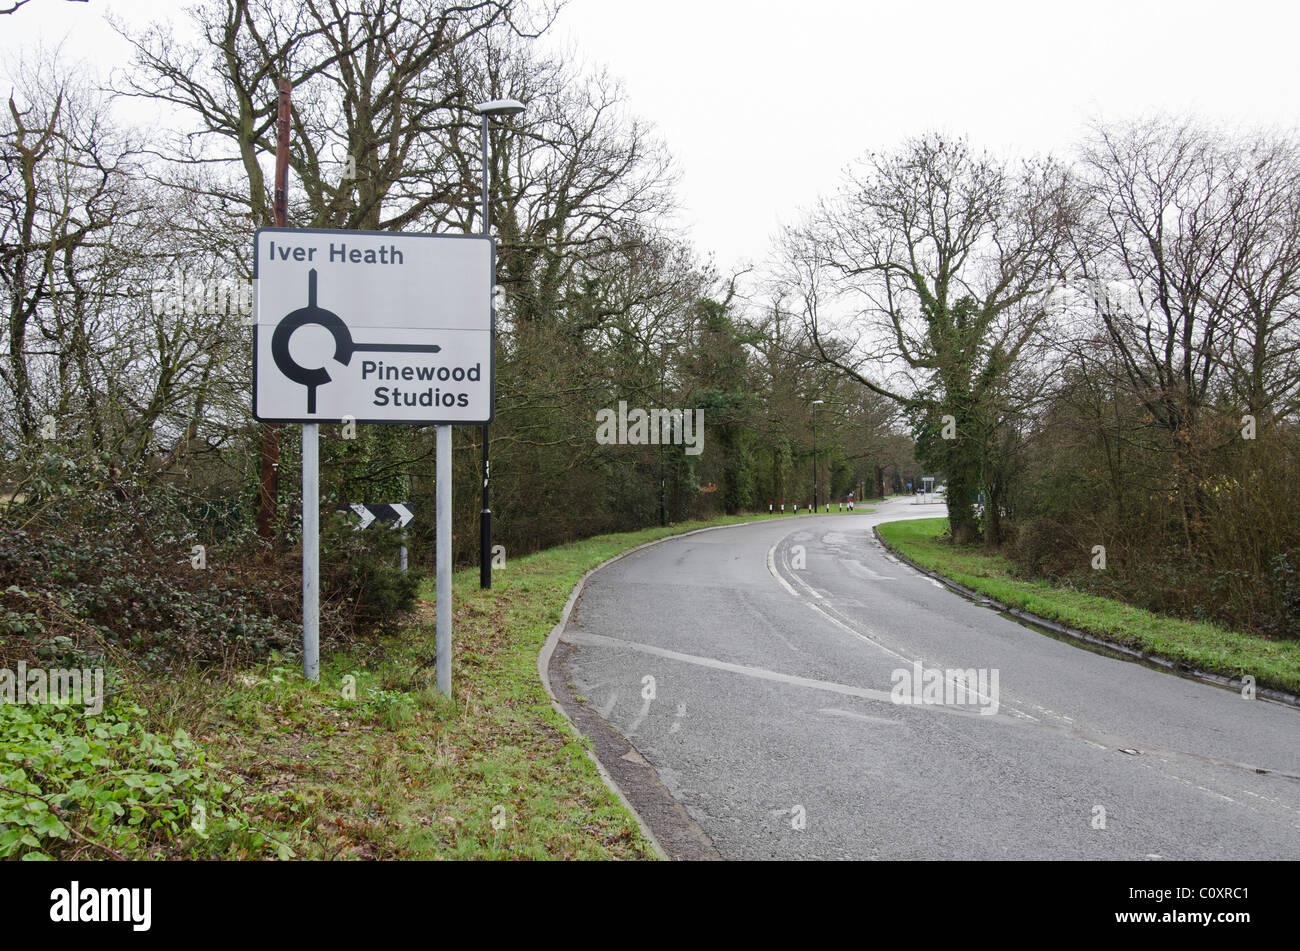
(763, 102)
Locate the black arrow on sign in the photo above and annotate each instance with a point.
(398, 515)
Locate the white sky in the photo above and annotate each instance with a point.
(763, 102)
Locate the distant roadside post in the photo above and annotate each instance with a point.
(373, 327)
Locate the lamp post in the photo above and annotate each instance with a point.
(487, 111)
(663, 373)
(816, 497)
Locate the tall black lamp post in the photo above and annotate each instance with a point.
(488, 111)
(816, 495)
(663, 482)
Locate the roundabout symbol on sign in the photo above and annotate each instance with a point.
(344, 346)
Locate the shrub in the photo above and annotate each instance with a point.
(74, 785)
(92, 562)
(361, 574)
(1286, 591)
(1045, 548)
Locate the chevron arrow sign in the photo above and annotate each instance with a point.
(397, 515)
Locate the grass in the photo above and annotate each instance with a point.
(1203, 645)
(380, 766)
(369, 763)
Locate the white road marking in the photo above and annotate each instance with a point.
(588, 639)
(771, 567)
(812, 592)
(825, 612)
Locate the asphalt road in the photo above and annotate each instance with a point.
(770, 716)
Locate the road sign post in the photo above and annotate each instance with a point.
(442, 621)
(373, 327)
(311, 551)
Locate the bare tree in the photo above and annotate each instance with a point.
(927, 280)
(63, 187)
(370, 92)
(1192, 253)
(99, 335)
(577, 181)
(1262, 361)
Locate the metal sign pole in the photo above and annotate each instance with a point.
(443, 554)
(311, 551)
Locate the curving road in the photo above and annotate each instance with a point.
(770, 717)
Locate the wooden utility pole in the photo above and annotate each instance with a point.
(266, 521)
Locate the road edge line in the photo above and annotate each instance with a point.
(1131, 654)
(548, 650)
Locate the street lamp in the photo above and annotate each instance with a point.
(663, 373)
(816, 501)
(488, 111)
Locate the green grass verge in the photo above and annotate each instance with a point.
(392, 770)
(1206, 646)
(369, 763)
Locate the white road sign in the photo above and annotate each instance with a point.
(378, 327)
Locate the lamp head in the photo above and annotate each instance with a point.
(500, 107)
